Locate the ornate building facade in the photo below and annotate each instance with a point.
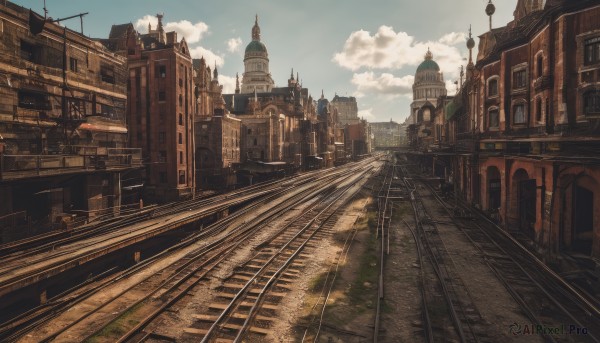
(524, 128)
(256, 77)
(428, 87)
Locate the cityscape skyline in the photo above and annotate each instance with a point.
(373, 58)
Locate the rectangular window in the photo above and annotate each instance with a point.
(591, 102)
(162, 137)
(180, 119)
(519, 78)
(538, 110)
(540, 65)
(181, 157)
(34, 100)
(162, 177)
(29, 51)
(162, 156)
(519, 114)
(161, 71)
(162, 96)
(73, 64)
(182, 177)
(107, 74)
(493, 88)
(494, 118)
(180, 138)
(592, 51)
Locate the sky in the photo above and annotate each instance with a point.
(366, 49)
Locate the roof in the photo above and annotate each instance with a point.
(428, 65)
(118, 31)
(256, 46)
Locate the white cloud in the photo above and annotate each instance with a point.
(233, 44)
(453, 38)
(193, 33)
(367, 114)
(387, 49)
(385, 83)
(210, 57)
(228, 84)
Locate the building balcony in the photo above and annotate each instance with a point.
(80, 160)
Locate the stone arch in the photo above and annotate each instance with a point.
(579, 222)
(523, 200)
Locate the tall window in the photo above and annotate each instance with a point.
(538, 109)
(493, 118)
(591, 102)
(161, 71)
(162, 137)
(493, 87)
(540, 65)
(181, 157)
(180, 119)
(592, 51)
(519, 116)
(73, 64)
(180, 138)
(519, 78)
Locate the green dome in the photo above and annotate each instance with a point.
(428, 65)
(256, 46)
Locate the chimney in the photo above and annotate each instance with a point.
(171, 38)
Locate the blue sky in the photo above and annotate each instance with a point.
(367, 49)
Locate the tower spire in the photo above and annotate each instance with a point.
(237, 83)
(215, 73)
(256, 30)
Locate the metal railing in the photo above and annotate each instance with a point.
(79, 157)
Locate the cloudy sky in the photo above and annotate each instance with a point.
(367, 49)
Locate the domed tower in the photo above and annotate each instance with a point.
(429, 85)
(256, 65)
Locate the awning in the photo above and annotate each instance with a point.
(101, 127)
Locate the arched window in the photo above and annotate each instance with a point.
(540, 65)
(493, 87)
(493, 118)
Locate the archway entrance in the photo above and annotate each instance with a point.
(494, 188)
(583, 220)
(525, 190)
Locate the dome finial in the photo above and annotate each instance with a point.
(428, 55)
(256, 30)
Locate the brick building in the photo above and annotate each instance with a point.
(160, 108)
(217, 133)
(63, 138)
(524, 126)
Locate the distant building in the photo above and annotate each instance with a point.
(347, 109)
(428, 87)
(63, 134)
(256, 77)
(385, 134)
(217, 133)
(160, 107)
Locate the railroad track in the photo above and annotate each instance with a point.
(466, 320)
(250, 296)
(186, 273)
(544, 297)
